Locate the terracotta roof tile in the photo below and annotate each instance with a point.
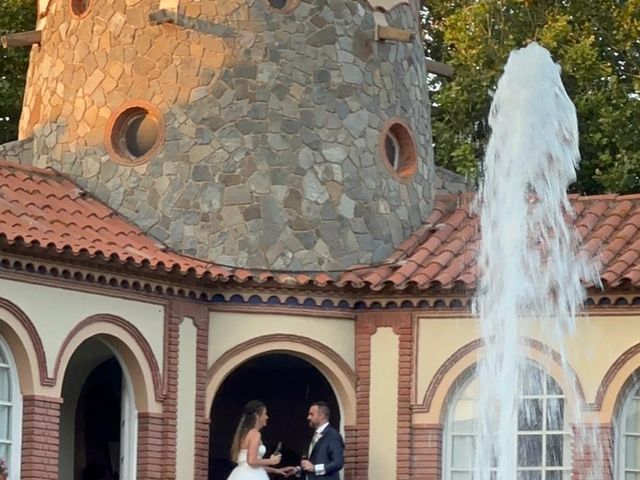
(43, 208)
(633, 276)
(608, 224)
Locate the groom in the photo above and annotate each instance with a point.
(325, 456)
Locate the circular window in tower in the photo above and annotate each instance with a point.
(135, 133)
(79, 7)
(398, 149)
(283, 6)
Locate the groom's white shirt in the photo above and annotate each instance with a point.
(319, 468)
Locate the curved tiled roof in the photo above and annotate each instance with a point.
(41, 208)
(442, 253)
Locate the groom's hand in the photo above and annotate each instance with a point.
(307, 466)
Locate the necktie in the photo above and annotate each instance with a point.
(315, 438)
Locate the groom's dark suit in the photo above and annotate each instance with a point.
(328, 451)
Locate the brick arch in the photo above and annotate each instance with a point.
(463, 361)
(615, 383)
(132, 348)
(26, 347)
(335, 369)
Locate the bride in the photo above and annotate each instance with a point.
(247, 448)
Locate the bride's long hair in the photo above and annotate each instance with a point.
(250, 414)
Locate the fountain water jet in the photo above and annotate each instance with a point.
(532, 276)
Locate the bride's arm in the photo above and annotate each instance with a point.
(254, 438)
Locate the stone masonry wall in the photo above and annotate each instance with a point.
(271, 157)
(448, 182)
(20, 151)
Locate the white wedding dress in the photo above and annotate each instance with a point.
(244, 471)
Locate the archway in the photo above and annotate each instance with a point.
(287, 384)
(98, 417)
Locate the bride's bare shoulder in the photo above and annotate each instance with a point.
(253, 434)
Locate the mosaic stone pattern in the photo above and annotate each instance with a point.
(20, 151)
(271, 158)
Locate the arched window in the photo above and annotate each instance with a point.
(543, 443)
(628, 439)
(10, 411)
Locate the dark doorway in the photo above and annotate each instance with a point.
(98, 423)
(91, 414)
(287, 385)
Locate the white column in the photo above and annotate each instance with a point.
(383, 404)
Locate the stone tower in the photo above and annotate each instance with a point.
(280, 134)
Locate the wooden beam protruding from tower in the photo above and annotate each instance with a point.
(439, 68)
(21, 39)
(387, 5)
(384, 32)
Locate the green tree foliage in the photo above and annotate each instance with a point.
(597, 44)
(15, 16)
